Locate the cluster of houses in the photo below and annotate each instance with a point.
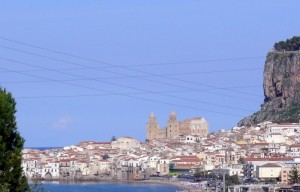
(267, 151)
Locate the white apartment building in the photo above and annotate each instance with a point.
(285, 129)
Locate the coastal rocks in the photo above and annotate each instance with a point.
(281, 89)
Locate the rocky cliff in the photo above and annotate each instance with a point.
(281, 89)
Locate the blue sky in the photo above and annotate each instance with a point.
(90, 70)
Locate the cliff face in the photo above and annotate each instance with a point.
(281, 89)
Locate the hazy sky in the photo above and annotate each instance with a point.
(88, 70)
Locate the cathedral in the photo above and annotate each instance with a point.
(195, 126)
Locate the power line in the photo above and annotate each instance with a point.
(139, 76)
(137, 89)
(97, 95)
(168, 91)
(121, 94)
(199, 61)
(113, 65)
(135, 70)
(96, 61)
(110, 64)
(84, 79)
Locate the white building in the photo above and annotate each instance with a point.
(274, 138)
(295, 150)
(125, 143)
(50, 170)
(286, 129)
(268, 171)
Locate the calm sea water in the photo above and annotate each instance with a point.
(115, 187)
(42, 148)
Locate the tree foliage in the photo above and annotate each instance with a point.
(11, 144)
(201, 173)
(294, 176)
(292, 44)
(232, 180)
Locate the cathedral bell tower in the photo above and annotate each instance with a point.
(152, 127)
(172, 126)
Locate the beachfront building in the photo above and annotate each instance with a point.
(49, 170)
(196, 127)
(186, 164)
(163, 167)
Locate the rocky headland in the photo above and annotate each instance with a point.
(281, 89)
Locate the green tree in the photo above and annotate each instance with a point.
(292, 44)
(11, 144)
(232, 180)
(294, 176)
(201, 173)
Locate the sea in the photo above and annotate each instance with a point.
(114, 187)
(43, 148)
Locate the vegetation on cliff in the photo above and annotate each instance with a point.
(287, 115)
(290, 115)
(292, 44)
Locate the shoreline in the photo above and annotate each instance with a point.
(181, 185)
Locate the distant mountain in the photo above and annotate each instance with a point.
(281, 89)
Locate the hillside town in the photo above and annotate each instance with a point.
(264, 153)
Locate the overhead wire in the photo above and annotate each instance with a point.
(112, 65)
(138, 76)
(121, 94)
(148, 73)
(137, 89)
(96, 61)
(96, 79)
(84, 79)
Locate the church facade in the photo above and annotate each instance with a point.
(195, 126)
